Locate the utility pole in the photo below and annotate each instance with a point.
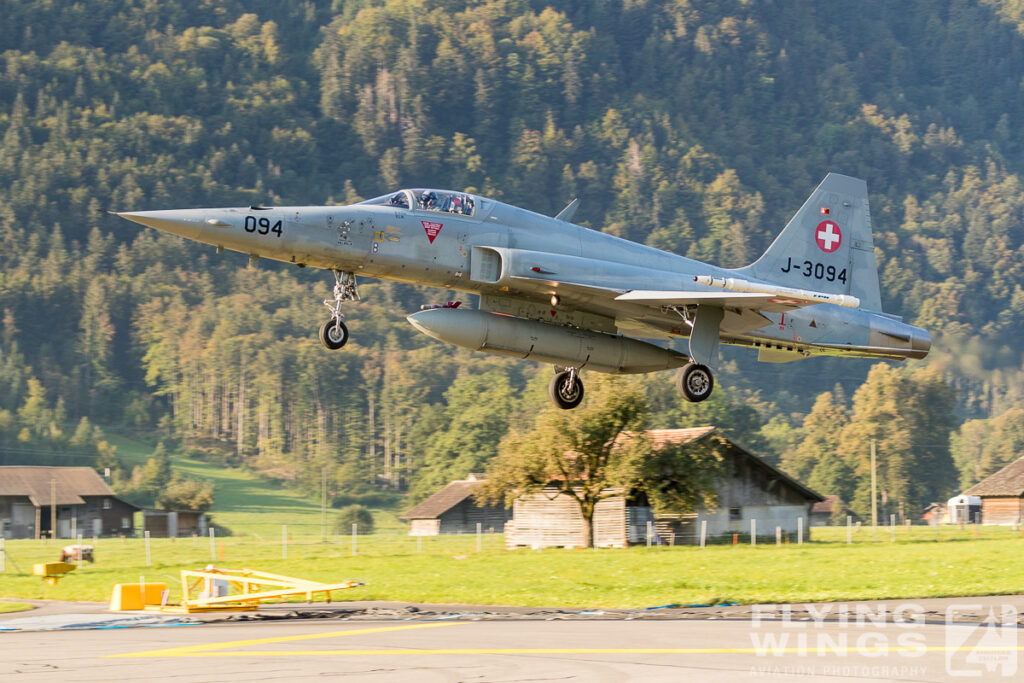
(874, 489)
(323, 504)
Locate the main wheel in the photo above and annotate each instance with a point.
(566, 391)
(333, 334)
(695, 382)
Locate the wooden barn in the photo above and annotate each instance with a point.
(752, 490)
(84, 504)
(822, 513)
(174, 523)
(452, 510)
(1002, 495)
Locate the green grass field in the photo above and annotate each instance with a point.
(450, 570)
(247, 504)
(8, 607)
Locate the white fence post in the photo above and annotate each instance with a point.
(778, 535)
(849, 529)
(753, 531)
(703, 532)
(799, 530)
(479, 535)
(213, 545)
(649, 533)
(892, 527)
(149, 561)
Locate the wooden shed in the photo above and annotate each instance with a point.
(822, 513)
(752, 490)
(1002, 495)
(81, 501)
(174, 523)
(453, 510)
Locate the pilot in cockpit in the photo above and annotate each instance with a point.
(428, 200)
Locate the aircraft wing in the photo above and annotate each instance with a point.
(771, 303)
(638, 313)
(603, 289)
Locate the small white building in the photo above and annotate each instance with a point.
(963, 509)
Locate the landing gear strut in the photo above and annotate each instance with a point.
(566, 388)
(333, 333)
(695, 382)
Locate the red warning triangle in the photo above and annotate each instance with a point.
(432, 229)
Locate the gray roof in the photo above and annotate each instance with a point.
(70, 484)
(1007, 482)
(444, 500)
(664, 437)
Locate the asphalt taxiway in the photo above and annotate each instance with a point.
(894, 640)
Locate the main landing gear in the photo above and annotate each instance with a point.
(695, 382)
(333, 333)
(566, 388)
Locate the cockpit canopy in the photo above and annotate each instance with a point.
(443, 201)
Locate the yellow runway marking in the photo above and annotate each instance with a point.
(204, 649)
(217, 649)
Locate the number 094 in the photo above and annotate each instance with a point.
(262, 225)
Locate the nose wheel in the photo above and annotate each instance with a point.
(566, 389)
(695, 382)
(334, 333)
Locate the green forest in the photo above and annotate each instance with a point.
(695, 126)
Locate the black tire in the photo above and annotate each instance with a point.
(564, 393)
(329, 334)
(695, 382)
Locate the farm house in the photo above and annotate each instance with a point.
(82, 503)
(452, 510)
(1002, 495)
(752, 490)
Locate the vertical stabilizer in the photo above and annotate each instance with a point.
(827, 245)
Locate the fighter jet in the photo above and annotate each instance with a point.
(579, 299)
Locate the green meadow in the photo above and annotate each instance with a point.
(911, 562)
(248, 504)
(451, 569)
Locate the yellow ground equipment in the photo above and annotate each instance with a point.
(52, 572)
(212, 589)
(133, 596)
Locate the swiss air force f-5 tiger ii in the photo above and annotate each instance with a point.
(556, 292)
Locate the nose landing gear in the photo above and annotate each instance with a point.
(334, 333)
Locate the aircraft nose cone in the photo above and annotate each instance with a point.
(187, 223)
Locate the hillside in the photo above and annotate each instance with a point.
(697, 127)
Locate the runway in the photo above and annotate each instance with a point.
(770, 647)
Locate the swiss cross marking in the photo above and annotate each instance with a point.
(828, 236)
(432, 229)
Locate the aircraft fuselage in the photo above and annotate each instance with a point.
(517, 260)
